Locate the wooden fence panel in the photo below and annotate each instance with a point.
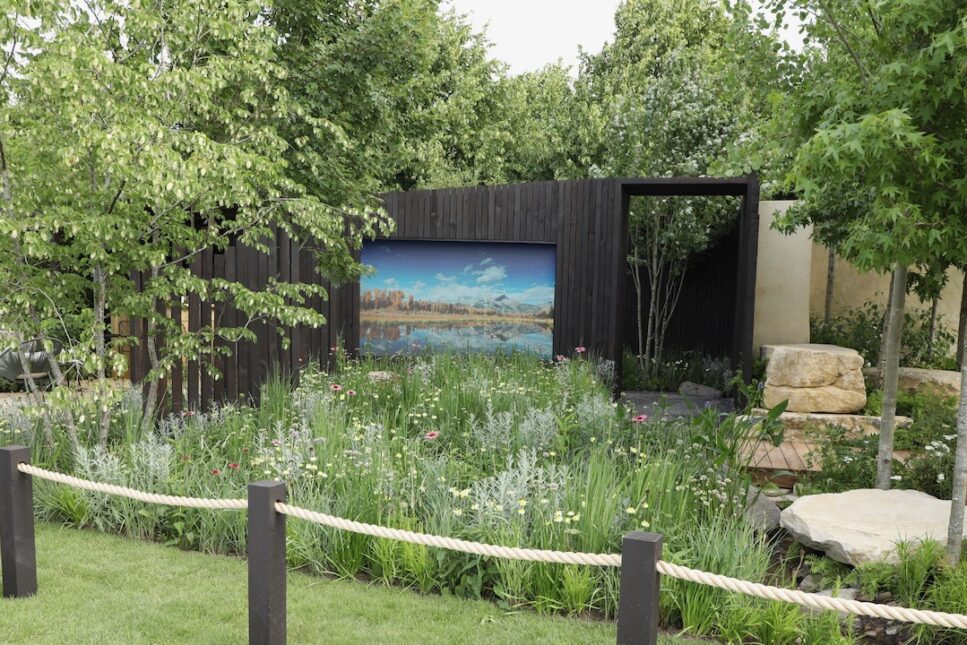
(585, 219)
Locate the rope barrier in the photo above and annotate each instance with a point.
(813, 600)
(131, 493)
(453, 544)
(735, 585)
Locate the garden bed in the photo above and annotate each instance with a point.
(508, 450)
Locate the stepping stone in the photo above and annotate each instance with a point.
(864, 525)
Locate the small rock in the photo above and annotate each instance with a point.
(809, 584)
(697, 391)
(847, 593)
(892, 631)
(883, 597)
(762, 513)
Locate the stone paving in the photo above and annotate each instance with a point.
(669, 405)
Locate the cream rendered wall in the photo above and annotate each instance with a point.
(853, 288)
(783, 281)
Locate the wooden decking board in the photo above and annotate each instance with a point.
(791, 455)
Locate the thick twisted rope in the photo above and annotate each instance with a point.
(453, 544)
(735, 585)
(815, 601)
(131, 493)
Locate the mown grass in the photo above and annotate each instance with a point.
(96, 588)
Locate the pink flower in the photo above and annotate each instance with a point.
(233, 466)
(560, 358)
(641, 418)
(335, 387)
(276, 442)
(216, 471)
(350, 392)
(580, 349)
(431, 435)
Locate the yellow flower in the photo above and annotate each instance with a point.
(631, 510)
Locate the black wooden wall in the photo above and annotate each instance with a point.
(581, 217)
(585, 218)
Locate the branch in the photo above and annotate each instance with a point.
(841, 35)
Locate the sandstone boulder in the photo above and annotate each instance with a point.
(864, 525)
(799, 424)
(827, 398)
(815, 378)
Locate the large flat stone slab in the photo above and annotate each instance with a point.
(799, 424)
(864, 525)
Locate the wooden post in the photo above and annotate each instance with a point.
(266, 564)
(18, 552)
(640, 584)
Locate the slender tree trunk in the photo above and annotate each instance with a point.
(639, 311)
(955, 530)
(100, 315)
(884, 332)
(891, 364)
(932, 332)
(151, 400)
(830, 285)
(962, 325)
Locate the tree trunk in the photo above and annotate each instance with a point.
(962, 325)
(639, 311)
(884, 332)
(100, 315)
(830, 284)
(891, 364)
(955, 530)
(932, 332)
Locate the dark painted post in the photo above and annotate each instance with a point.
(640, 584)
(266, 564)
(17, 550)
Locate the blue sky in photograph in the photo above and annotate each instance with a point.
(462, 272)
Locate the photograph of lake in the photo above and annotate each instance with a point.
(458, 296)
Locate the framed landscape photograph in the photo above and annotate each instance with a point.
(458, 296)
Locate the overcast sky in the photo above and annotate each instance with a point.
(528, 34)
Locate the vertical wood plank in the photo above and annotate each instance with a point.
(218, 315)
(177, 370)
(231, 321)
(194, 325)
(207, 383)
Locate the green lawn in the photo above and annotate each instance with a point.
(96, 588)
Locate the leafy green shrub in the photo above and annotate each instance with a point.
(668, 375)
(849, 461)
(919, 563)
(860, 329)
(947, 594)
